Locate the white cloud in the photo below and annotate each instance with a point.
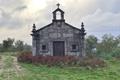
(102, 20)
(101, 23)
(17, 16)
(19, 34)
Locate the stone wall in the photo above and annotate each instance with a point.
(58, 32)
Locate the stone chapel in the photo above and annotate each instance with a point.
(58, 38)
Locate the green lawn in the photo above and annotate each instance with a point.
(8, 71)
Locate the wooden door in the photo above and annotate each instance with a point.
(58, 48)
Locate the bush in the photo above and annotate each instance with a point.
(61, 60)
(92, 62)
(25, 57)
(54, 60)
(116, 52)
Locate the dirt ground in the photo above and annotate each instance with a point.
(10, 68)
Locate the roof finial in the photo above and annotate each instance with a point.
(58, 5)
(34, 28)
(82, 25)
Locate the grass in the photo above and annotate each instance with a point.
(112, 72)
(33, 72)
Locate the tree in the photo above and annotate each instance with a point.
(0, 47)
(8, 44)
(91, 42)
(118, 41)
(19, 45)
(27, 47)
(108, 44)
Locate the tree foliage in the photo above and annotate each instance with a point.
(91, 43)
(19, 45)
(109, 46)
(10, 45)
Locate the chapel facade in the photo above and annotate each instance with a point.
(58, 38)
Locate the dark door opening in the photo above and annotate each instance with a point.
(58, 48)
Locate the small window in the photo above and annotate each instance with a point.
(44, 47)
(74, 47)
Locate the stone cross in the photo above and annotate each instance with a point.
(58, 5)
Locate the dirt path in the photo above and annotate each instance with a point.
(18, 69)
(10, 69)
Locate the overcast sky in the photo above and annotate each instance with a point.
(17, 16)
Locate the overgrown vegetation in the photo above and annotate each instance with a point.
(107, 47)
(62, 61)
(43, 72)
(10, 45)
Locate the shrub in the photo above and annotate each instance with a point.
(116, 52)
(61, 60)
(92, 62)
(25, 57)
(54, 60)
